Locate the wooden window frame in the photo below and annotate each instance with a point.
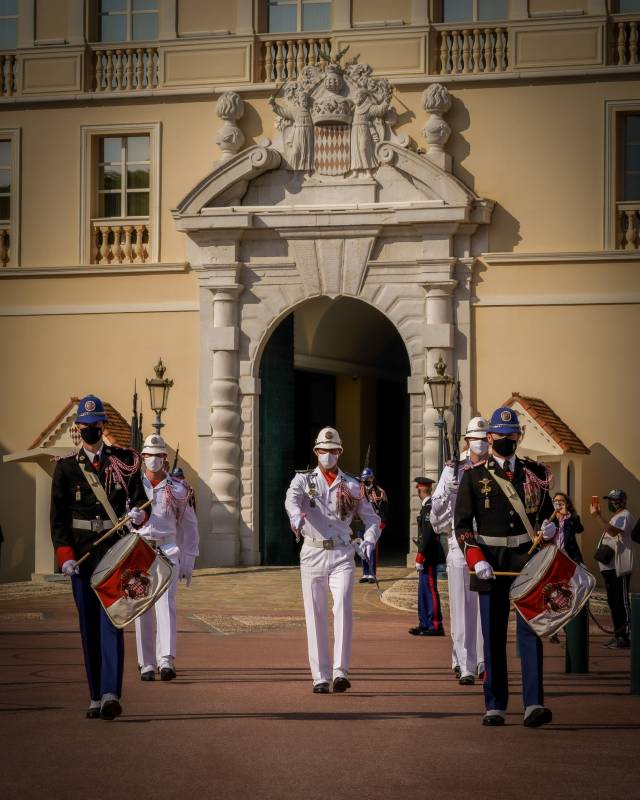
(13, 135)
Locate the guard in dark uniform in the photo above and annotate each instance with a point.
(430, 554)
(78, 518)
(377, 496)
(494, 539)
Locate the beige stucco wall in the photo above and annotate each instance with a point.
(545, 6)
(380, 11)
(194, 16)
(51, 19)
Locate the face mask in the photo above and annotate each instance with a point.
(504, 447)
(91, 435)
(327, 460)
(154, 463)
(612, 507)
(479, 446)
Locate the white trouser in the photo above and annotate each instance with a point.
(153, 648)
(321, 570)
(464, 612)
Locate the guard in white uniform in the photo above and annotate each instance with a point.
(320, 504)
(173, 528)
(466, 631)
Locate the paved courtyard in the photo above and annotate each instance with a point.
(241, 720)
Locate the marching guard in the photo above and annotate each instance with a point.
(377, 496)
(430, 554)
(499, 505)
(172, 527)
(321, 504)
(90, 491)
(464, 613)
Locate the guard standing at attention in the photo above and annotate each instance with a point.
(430, 554)
(321, 504)
(377, 496)
(501, 503)
(90, 491)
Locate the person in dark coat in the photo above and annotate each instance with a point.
(78, 519)
(430, 554)
(569, 525)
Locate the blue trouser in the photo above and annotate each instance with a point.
(494, 614)
(102, 642)
(369, 567)
(429, 609)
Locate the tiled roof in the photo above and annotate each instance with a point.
(550, 422)
(117, 430)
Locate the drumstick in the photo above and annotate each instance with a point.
(500, 574)
(115, 528)
(538, 538)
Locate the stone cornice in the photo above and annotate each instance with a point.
(586, 257)
(93, 270)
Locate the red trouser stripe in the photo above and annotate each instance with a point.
(434, 598)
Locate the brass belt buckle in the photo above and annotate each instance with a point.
(328, 544)
(96, 525)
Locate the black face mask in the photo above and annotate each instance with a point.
(504, 447)
(91, 435)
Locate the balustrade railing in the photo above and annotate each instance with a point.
(472, 50)
(5, 245)
(626, 35)
(125, 69)
(120, 241)
(628, 225)
(8, 70)
(284, 58)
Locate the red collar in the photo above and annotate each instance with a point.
(330, 477)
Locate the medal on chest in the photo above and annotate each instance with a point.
(486, 491)
(78, 495)
(312, 490)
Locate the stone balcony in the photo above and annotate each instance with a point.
(551, 46)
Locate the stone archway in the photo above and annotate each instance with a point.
(264, 237)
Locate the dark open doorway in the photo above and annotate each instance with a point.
(340, 363)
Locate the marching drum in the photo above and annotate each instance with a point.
(130, 577)
(551, 590)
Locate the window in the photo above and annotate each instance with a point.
(119, 194)
(127, 20)
(627, 6)
(629, 188)
(9, 204)
(622, 175)
(286, 16)
(473, 10)
(8, 24)
(124, 172)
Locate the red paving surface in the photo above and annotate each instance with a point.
(241, 721)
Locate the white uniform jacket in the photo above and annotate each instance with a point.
(173, 519)
(443, 501)
(323, 521)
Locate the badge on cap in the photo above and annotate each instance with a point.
(505, 416)
(329, 435)
(155, 440)
(89, 406)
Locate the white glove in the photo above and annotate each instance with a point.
(484, 570)
(548, 530)
(451, 484)
(419, 566)
(367, 550)
(186, 568)
(70, 568)
(137, 516)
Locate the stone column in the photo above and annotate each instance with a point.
(438, 340)
(225, 419)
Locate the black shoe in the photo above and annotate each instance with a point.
(457, 672)
(538, 717)
(612, 642)
(467, 680)
(364, 579)
(341, 685)
(150, 675)
(371, 579)
(432, 632)
(619, 643)
(493, 720)
(110, 709)
(417, 631)
(167, 674)
(93, 713)
(321, 688)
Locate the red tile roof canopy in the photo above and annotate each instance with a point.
(550, 422)
(117, 430)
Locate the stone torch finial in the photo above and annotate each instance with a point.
(230, 108)
(436, 100)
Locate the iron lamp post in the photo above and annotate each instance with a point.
(441, 387)
(159, 393)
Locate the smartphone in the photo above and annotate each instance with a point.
(595, 500)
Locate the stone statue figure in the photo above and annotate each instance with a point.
(364, 136)
(298, 112)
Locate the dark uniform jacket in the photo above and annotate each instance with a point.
(72, 498)
(499, 518)
(572, 526)
(378, 499)
(428, 541)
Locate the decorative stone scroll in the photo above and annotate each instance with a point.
(333, 117)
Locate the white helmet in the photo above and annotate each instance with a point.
(477, 428)
(328, 439)
(154, 445)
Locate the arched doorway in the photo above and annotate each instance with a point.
(333, 362)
